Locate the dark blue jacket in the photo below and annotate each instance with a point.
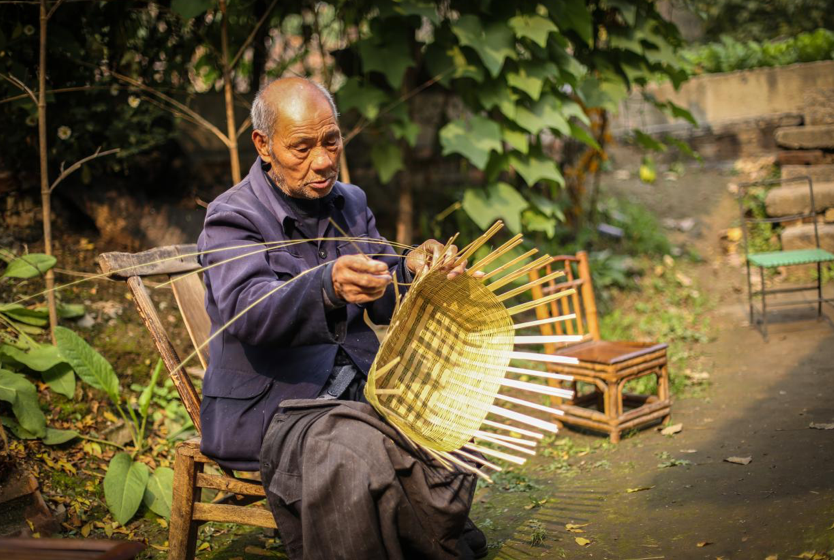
(282, 345)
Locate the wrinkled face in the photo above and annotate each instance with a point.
(305, 147)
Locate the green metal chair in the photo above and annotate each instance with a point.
(773, 259)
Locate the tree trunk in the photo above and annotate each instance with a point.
(258, 48)
(228, 90)
(45, 194)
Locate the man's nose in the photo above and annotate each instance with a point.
(321, 160)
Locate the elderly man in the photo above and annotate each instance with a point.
(284, 388)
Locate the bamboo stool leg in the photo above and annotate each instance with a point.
(663, 388)
(182, 532)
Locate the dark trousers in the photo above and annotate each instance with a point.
(343, 484)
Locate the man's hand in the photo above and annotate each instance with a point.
(359, 279)
(429, 253)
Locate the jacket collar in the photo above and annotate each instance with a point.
(266, 194)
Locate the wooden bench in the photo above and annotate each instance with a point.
(188, 512)
(604, 365)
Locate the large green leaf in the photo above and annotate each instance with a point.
(536, 167)
(535, 221)
(498, 200)
(572, 15)
(407, 130)
(61, 379)
(410, 8)
(39, 358)
(188, 9)
(54, 436)
(124, 486)
(391, 59)
(147, 392)
(532, 26)
(71, 310)
(494, 43)
(90, 366)
(34, 317)
(473, 139)
(387, 159)
(580, 133)
(159, 492)
(496, 93)
(14, 427)
(518, 139)
(530, 77)
(29, 266)
(364, 98)
(545, 113)
(23, 396)
(452, 63)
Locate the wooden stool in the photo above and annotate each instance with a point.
(605, 365)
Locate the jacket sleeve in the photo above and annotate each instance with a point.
(263, 294)
(381, 310)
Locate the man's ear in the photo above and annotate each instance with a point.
(261, 142)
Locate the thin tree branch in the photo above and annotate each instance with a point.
(77, 165)
(243, 126)
(252, 34)
(59, 90)
(170, 109)
(360, 126)
(53, 8)
(185, 109)
(19, 84)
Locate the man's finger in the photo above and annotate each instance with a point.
(457, 271)
(364, 280)
(365, 265)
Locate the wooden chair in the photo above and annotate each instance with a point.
(68, 549)
(605, 365)
(188, 512)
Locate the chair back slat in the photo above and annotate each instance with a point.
(582, 304)
(190, 293)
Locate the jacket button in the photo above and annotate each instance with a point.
(323, 253)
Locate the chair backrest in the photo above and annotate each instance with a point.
(178, 263)
(746, 220)
(580, 305)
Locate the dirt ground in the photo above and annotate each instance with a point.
(676, 497)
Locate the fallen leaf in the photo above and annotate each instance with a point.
(85, 530)
(773, 557)
(159, 546)
(110, 416)
(638, 489)
(689, 451)
(582, 542)
(821, 426)
(739, 460)
(204, 546)
(162, 522)
(671, 430)
(574, 528)
(257, 551)
(702, 544)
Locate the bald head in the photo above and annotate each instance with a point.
(286, 96)
(296, 132)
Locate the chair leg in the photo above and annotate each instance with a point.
(750, 293)
(819, 290)
(764, 305)
(182, 530)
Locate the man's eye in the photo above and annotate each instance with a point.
(302, 149)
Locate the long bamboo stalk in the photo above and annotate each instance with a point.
(529, 285)
(46, 199)
(464, 466)
(228, 95)
(514, 429)
(509, 277)
(548, 339)
(509, 264)
(547, 321)
(541, 301)
(537, 388)
(528, 404)
(510, 439)
(497, 253)
(524, 418)
(478, 243)
(478, 460)
(494, 453)
(537, 357)
(537, 373)
(508, 445)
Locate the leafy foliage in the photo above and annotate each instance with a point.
(124, 486)
(729, 54)
(762, 20)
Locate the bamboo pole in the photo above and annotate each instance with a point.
(508, 246)
(228, 94)
(507, 278)
(510, 264)
(537, 302)
(529, 285)
(478, 243)
(46, 199)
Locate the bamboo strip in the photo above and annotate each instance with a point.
(511, 439)
(536, 388)
(535, 406)
(509, 428)
(478, 460)
(437, 456)
(478, 243)
(506, 247)
(524, 419)
(464, 466)
(538, 302)
(508, 445)
(529, 285)
(546, 374)
(494, 453)
(509, 264)
(536, 357)
(510, 276)
(552, 339)
(544, 321)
